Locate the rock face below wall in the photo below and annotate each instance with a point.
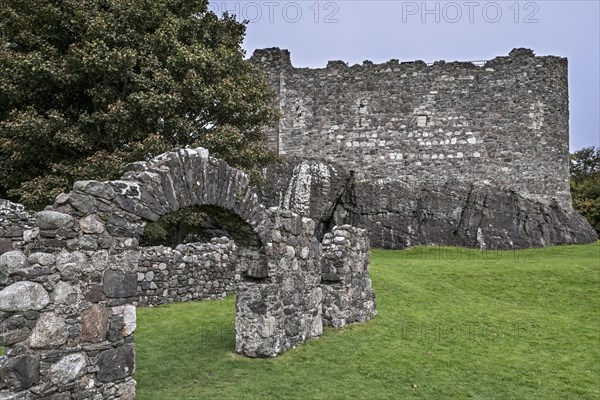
(399, 215)
(306, 187)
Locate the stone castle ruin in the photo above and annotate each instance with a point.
(445, 154)
(72, 275)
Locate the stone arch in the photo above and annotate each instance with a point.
(72, 300)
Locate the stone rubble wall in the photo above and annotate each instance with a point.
(193, 271)
(16, 226)
(68, 298)
(67, 313)
(283, 309)
(504, 123)
(347, 293)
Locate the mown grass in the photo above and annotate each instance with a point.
(452, 324)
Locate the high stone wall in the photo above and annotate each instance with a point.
(443, 154)
(505, 123)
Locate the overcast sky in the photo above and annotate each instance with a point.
(353, 31)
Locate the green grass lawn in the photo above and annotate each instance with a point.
(452, 324)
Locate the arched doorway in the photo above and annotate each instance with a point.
(79, 286)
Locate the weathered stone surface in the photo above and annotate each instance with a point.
(348, 298)
(95, 188)
(94, 324)
(50, 331)
(409, 132)
(116, 364)
(398, 215)
(12, 261)
(24, 395)
(15, 223)
(120, 284)
(64, 293)
(13, 330)
(129, 320)
(94, 293)
(67, 368)
(91, 224)
(44, 259)
(423, 122)
(23, 296)
(306, 187)
(19, 373)
(50, 220)
(192, 271)
(73, 263)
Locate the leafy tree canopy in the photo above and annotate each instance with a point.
(87, 86)
(585, 184)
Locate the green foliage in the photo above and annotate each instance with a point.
(87, 86)
(458, 323)
(183, 226)
(585, 184)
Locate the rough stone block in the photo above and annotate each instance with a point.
(19, 373)
(120, 284)
(51, 220)
(12, 261)
(51, 330)
(23, 296)
(116, 364)
(67, 368)
(94, 324)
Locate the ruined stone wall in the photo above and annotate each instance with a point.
(504, 123)
(284, 309)
(193, 271)
(15, 226)
(347, 293)
(67, 313)
(68, 298)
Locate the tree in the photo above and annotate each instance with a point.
(87, 86)
(585, 184)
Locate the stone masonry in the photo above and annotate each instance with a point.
(347, 293)
(16, 226)
(406, 132)
(68, 294)
(193, 271)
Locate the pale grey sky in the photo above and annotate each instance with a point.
(357, 30)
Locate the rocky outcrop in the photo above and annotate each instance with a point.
(400, 214)
(306, 187)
